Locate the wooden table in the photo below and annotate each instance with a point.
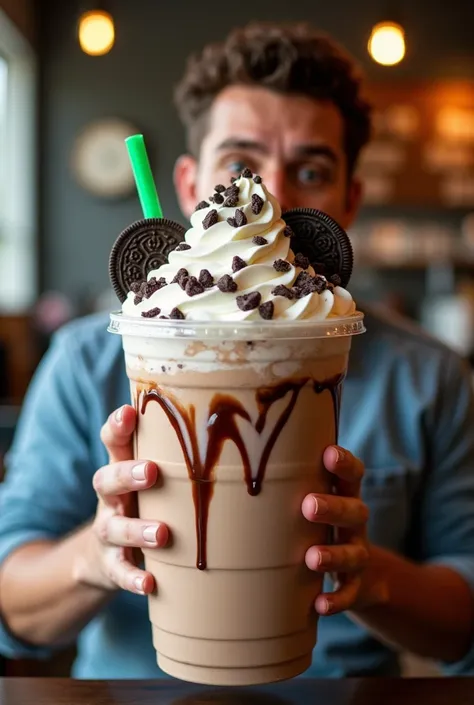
(56, 691)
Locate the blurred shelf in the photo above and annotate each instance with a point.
(414, 263)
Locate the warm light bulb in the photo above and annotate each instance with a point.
(96, 32)
(387, 43)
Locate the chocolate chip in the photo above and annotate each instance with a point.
(161, 282)
(233, 179)
(137, 300)
(266, 310)
(313, 285)
(193, 287)
(232, 190)
(152, 285)
(240, 217)
(247, 302)
(259, 240)
(177, 315)
(287, 232)
(226, 284)
(211, 199)
(180, 274)
(301, 261)
(282, 290)
(210, 219)
(257, 179)
(166, 318)
(183, 282)
(163, 368)
(305, 291)
(335, 279)
(232, 222)
(218, 198)
(219, 188)
(135, 287)
(152, 313)
(201, 205)
(281, 265)
(247, 173)
(320, 282)
(183, 246)
(206, 278)
(257, 203)
(238, 263)
(302, 279)
(330, 287)
(232, 194)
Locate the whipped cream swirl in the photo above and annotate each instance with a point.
(256, 240)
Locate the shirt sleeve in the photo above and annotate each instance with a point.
(444, 530)
(47, 493)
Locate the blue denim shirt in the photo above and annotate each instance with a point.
(408, 413)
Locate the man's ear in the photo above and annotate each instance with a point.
(185, 172)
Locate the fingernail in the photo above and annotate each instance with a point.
(324, 558)
(138, 472)
(149, 534)
(320, 506)
(119, 415)
(139, 584)
(340, 455)
(326, 606)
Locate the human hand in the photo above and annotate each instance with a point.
(116, 533)
(348, 557)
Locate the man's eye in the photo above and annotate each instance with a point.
(311, 175)
(236, 166)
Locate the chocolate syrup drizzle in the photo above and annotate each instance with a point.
(222, 426)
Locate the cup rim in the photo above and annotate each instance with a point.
(241, 330)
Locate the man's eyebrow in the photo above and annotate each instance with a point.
(302, 150)
(241, 143)
(315, 150)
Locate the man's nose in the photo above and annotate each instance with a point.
(276, 182)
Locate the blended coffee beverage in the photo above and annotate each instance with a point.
(236, 351)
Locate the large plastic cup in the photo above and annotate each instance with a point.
(237, 417)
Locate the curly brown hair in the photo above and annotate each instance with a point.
(286, 58)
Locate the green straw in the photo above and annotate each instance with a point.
(143, 177)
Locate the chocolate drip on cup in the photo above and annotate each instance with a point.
(224, 410)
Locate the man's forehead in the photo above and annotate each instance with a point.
(273, 119)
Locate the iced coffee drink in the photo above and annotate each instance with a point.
(236, 349)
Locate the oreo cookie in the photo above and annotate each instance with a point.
(143, 246)
(319, 238)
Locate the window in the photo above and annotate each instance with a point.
(3, 128)
(18, 286)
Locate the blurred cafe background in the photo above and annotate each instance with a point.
(77, 77)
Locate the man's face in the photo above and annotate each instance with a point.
(295, 143)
